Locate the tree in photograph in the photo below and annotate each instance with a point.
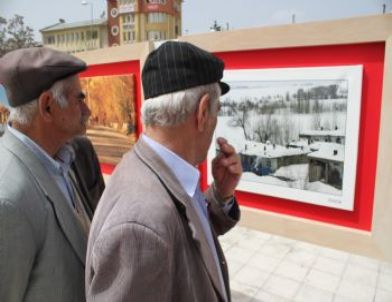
(3, 30)
(125, 110)
(316, 115)
(243, 114)
(14, 34)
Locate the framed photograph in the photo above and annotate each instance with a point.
(112, 124)
(296, 131)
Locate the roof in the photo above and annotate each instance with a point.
(323, 133)
(64, 25)
(326, 152)
(270, 151)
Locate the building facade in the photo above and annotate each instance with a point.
(76, 37)
(128, 21)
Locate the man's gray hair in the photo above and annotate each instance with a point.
(25, 114)
(173, 108)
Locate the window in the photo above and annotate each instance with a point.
(156, 17)
(128, 27)
(156, 35)
(127, 19)
(114, 12)
(114, 30)
(50, 39)
(126, 2)
(176, 6)
(156, 1)
(82, 35)
(128, 37)
(95, 34)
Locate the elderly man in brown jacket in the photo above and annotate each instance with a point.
(154, 235)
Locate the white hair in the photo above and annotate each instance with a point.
(173, 108)
(25, 114)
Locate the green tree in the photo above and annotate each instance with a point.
(15, 34)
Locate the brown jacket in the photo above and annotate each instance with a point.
(146, 242)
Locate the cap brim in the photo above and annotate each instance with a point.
(224, 87)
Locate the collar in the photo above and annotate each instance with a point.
(60, 163)
(187, 175)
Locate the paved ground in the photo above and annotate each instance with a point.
(268, 268)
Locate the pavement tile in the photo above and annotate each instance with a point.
(360, 275)
(383, 296)
(281, 286)
(356, 292)
(322, 280)
(291, 270)
(309, 293)
(385, 281)
(251, 276)
(329, 265)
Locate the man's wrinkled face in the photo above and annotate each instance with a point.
(72, 119)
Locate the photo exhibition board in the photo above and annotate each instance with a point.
(371, 57)
(293, 129)
(127, 99)
(112, 124)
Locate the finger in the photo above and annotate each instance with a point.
(235, 169)
(217, 158)
(227, 149)
(221, 140)
(231, 159)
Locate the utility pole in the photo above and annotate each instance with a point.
(92, 22)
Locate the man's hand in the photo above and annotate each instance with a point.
(226, 170)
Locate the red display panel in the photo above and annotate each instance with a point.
(371, 56)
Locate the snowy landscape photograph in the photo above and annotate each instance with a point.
(296, 131)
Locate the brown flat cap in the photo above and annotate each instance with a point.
(26, 73)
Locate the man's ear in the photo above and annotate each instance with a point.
(45, 106)
(202, 112)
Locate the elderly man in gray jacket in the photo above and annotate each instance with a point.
(44, 217)
(154, 235)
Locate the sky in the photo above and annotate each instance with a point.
(199, 15)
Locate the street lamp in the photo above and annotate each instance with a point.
(92, 17)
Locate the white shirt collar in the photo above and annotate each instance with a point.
(187, 175)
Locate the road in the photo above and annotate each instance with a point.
(110, 144)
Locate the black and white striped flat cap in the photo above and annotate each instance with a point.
(176, 66)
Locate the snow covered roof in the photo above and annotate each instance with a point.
(64, 25)
(323, 133)
(299, 144)
(326, 151)
(269, 151)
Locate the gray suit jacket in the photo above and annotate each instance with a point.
(146, 242)
(42, 246)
